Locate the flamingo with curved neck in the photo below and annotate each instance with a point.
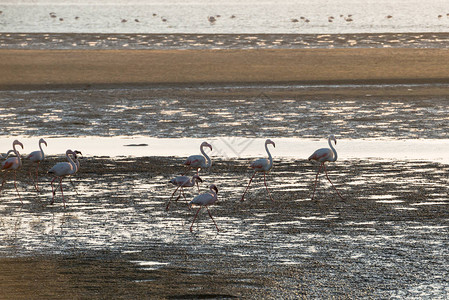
(62, 170)
(12, 164)
(322, 156)
(199, 161)
(36, 157)
(262, 165)
(182, 182)
(205, 200)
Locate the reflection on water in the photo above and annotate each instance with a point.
(140, 113)
(391, 229)
(220, 41)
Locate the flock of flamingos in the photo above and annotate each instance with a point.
(61, 170)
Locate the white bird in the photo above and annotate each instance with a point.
(205, 200)
(182, 182)
(322, 156)
(262, 165)
(61, 170)
(77, 163)
(12, 164)
(199, 161)
(36, 157)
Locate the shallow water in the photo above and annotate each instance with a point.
(363, 246)
(158, 113)
(220, 41)
(174, 16)
(388, 238)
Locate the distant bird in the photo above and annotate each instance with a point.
(163, 19)
(295, 20)
(124, 20)
(262, 165)
(136, 20)
(205, 200)
(212, 19)
(12, 164)
(61, 170)
(199, 161)
(36, 157)
(182, 182)
(322, 156)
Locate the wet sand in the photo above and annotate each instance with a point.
(42, 69)
(388, 238)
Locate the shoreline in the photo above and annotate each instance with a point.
(87, 69)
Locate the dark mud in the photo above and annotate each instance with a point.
(388, 238)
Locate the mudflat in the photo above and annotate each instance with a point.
(31, 69)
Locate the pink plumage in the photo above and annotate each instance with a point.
(199, 161)
(322, 156)
(205, 200)
(182, 182)
(262, 165)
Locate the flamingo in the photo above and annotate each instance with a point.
(199, 161)
(205, 200)
(322, 156)
(12, 164)
(262, 165)
(61, 170)
(37, 157)
(182, 182)
(77, 162)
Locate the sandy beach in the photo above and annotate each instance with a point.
(43, 69)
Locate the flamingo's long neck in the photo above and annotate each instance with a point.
(42, 151)
(209, 161)
(333, 150)
(17, 154)
(269, 155)
(71, 162)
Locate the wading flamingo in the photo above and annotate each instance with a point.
(36, 157)
(205, 200)
(12, 164)
(322, 156)
(77, 163)
(262, 165)
(61, 170)
(182, 182)
(199, 161)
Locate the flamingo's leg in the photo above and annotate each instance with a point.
(74, 187)
(265, 181)
(316, 180)
(243, 196)
(210, 215)
(15, 185)
(3, 182)
(62, 193)
(168, 204)
(191, 227)
(325, 171)
(53, 191)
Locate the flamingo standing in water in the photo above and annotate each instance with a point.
(199, 161)
(262, 165)
(12, 164)
(77, 163)
(61, 170)
(205, 200)
(37, 157)
(322, 156)
(182, 182)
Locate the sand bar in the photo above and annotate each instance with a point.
(24, 69)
